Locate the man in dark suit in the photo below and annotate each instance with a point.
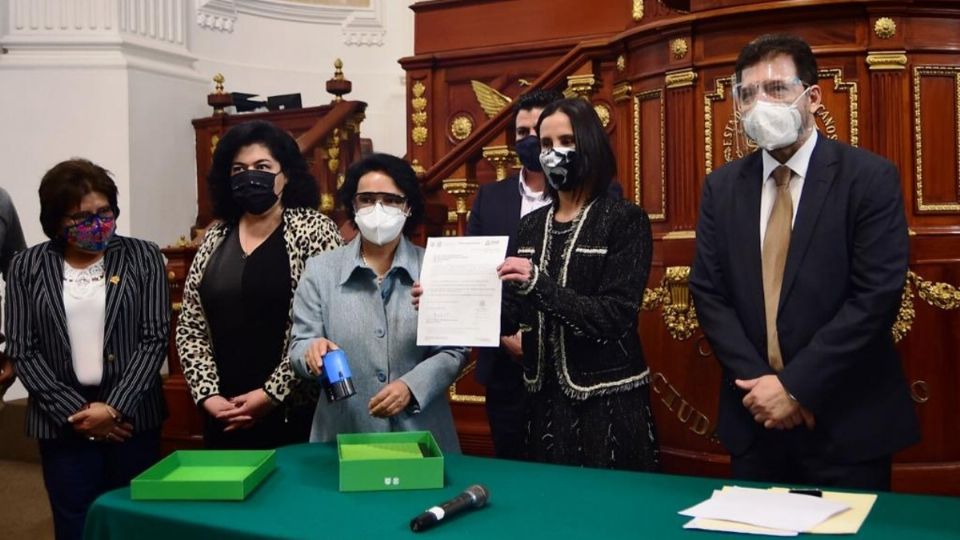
(497, 209)
(800, 265)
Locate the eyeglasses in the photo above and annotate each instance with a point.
(775, 89)
(370, 198)
(104, 214)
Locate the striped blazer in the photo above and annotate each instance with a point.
(135, 337)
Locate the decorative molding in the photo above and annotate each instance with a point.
(501, 157)
(456, 397)
(219, 15)
(418, 134)
(461, 126)
(460, 189)
(679, 48)
(657, 94)
(680, 235)
(885, 28)
(637, 12)
(853, 97)
(939, 295)
(918, 73)
(887, 60)
(622, 92)
(718, 94)
(621, 63)
(680, 79)
(673, 297)
(603, 112)
(581, 86)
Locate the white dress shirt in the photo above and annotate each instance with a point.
(531, 200)
(798, 164)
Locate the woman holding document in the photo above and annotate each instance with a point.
(357, 298)
(577, 285)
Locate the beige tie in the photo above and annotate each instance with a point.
(775, 245)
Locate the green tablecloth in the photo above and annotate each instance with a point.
(531, 501)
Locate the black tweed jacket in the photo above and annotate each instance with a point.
(595, 300)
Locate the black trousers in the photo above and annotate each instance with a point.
(507, 416)
(801, 456)
(76, 471)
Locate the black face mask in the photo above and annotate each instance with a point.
(560, 167)
(253, 191)
(528, 150)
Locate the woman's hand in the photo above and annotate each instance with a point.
(315, 353)
(99, 421)
(513, 345)
(247, 409)
(516, 269)
(390, 400)
(415, 293)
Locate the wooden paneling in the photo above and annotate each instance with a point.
(888, 85)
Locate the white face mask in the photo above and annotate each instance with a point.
(380, 224)
(774, 125)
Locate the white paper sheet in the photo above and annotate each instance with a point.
(764, 508)
(461, 291)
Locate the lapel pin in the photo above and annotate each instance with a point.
(114, 280)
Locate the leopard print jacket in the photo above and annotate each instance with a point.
(306, 233)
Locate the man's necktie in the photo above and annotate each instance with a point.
(776, 242)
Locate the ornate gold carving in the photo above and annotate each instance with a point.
(887, 60)
(885, 28)
(918, 73)
(680, 79)
(419, 115)
(327, 203)
(417, 167)
(621, 63)
(581, 86)
(621, 92)
(671, 398)
(456, 397)
(214, 141)
(939, 295)
(679, 48)
(673, 296)
(853, 99)
(661, 215)
(176, 307)
(461, 126)
(603, 112)
(501, 157)
(637, 10)
(460, 189)
(333, 151)
(218, 80)
(490, 100)
(920, 391)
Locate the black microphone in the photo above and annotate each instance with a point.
(474, 496)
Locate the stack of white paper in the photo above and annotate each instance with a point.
(778, 513)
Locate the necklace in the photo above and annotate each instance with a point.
(364, 258)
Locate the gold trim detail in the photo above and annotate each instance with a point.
(920, 391)
(851, 88)
(417, 167)
(680, 235)
(333, 151)
(621, 63)
(673, 297)
(581, 86)
(887, 60)
(637, 180)
(718, 94)
(460, 189)
(490, 100)
(176, 307)
(679, 48)
(327, 203)
(603, 112)
(622, 92)
(464, 398)
(918, 73)
(419, 115)
(885, 28)
(637, 13)
(680, 79)
(461, 126)
(214, 141)
(502, 158)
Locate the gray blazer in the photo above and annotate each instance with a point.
(338, 299)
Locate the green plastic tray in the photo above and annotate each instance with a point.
(389, 461)
(196, 475)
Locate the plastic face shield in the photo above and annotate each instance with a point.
(777, 90)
